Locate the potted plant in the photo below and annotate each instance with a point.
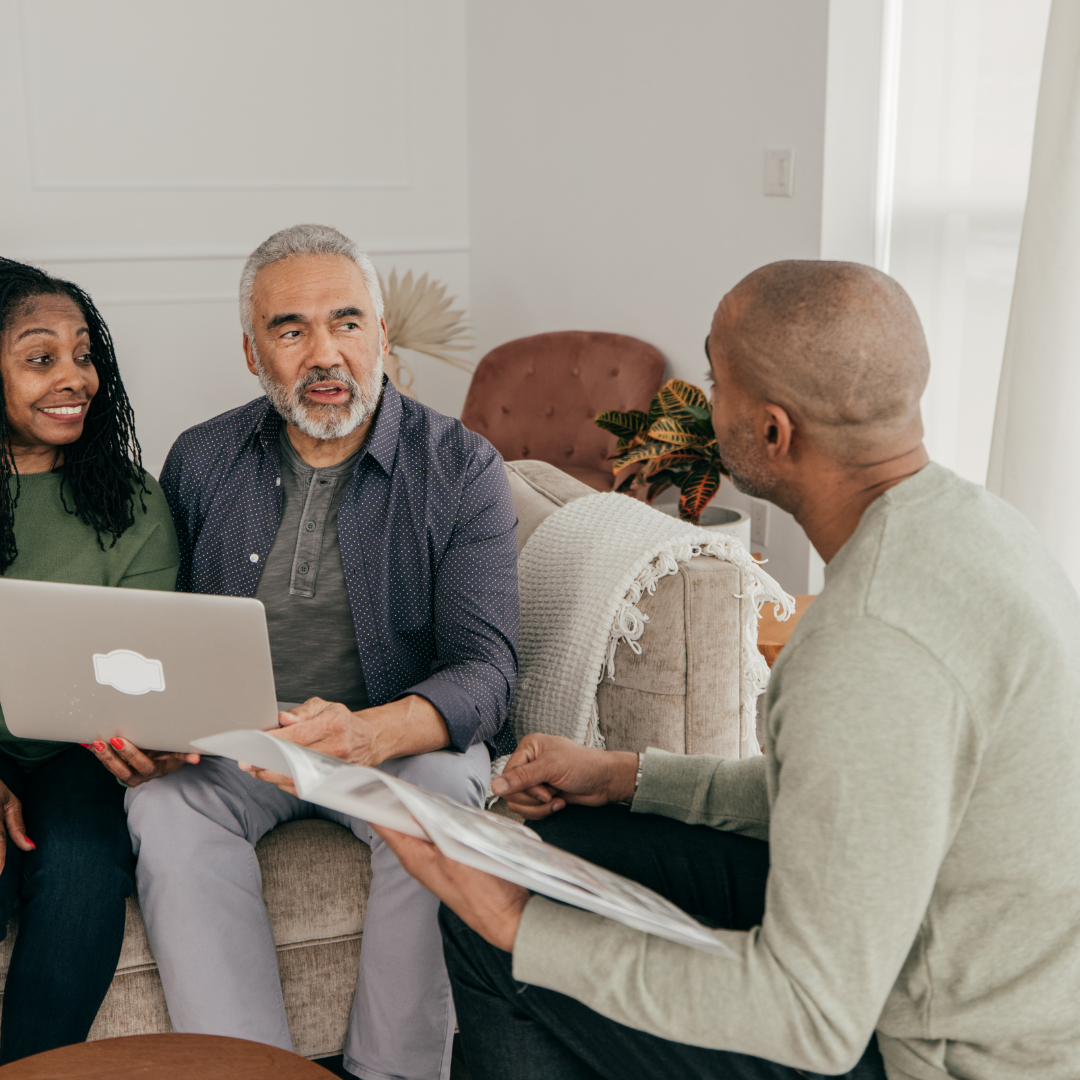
(673, 444)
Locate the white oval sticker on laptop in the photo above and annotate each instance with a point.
(129, 672)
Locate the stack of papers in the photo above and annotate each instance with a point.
(468, 834)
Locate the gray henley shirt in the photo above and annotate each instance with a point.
(302, 586)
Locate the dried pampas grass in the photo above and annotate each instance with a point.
(419, 317)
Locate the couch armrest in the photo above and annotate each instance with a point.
(681, 693)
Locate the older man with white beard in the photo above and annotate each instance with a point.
(380, 536)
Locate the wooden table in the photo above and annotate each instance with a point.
(165, 1057)
(772, 635)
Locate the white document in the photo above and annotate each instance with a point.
(467, 834)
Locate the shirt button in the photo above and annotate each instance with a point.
(303, 568)
(254, 556)
(310, 526)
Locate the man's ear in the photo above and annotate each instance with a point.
(777, 432)
(250, 356)
(385, 338)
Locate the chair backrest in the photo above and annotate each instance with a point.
(536, 398)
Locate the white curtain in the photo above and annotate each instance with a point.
(1035, 454)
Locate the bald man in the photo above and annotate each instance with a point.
(899, 874)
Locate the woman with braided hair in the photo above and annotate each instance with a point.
(76, 507)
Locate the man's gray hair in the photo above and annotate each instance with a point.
(303, 240)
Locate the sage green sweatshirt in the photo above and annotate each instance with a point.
(56, 546)
(920, 792)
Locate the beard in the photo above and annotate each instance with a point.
(746, 465)
(324, 421)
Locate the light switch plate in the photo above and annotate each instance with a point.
(780, 172)
(759, 522)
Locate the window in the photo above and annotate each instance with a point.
(968, 85)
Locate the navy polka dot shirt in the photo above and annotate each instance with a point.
(427, 534)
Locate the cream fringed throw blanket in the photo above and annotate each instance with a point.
(580, 576)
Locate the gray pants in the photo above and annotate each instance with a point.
(201, 895)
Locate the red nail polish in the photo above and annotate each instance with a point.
(116, 744)
(85, 744)
(31, 843)
(99, 746)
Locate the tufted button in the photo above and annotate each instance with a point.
(591, 414)
(615, 373)
(576, 372)
(506, 408)
(550, 410)
(530, 370)
(524, 451)
(569, 451)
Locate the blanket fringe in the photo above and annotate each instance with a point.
(582, 575)
(758, 589)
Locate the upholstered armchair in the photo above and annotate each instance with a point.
(536, 398)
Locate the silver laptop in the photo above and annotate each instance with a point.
(82, 662)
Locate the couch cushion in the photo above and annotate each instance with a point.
(315, 877)
(539, 489)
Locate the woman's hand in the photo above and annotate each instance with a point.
(12, 825)
(134, 766)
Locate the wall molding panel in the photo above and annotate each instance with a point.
(209, 60)
(149, 148)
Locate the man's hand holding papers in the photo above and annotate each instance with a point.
(410, 725)
(490, 905)
(480, 864)
(546, 772)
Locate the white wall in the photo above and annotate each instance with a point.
(616, 164)
(149, 147)
(562, 165)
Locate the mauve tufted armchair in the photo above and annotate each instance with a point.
(537, 397)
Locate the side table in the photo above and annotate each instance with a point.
(773, 635)
(165, 1057)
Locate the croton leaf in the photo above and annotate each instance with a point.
(668, 429)
(639, 453)
(685, 402)
(661, 481)
(656, 489)
(624, 424)
(698, 488)
(676, 460)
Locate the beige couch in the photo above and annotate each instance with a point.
(681, 694)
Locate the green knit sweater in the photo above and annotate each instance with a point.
(920, 792)
(55, 545)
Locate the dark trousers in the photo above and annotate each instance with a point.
(70, 893)
(514, 1032)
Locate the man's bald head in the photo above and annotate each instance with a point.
(838, 345)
